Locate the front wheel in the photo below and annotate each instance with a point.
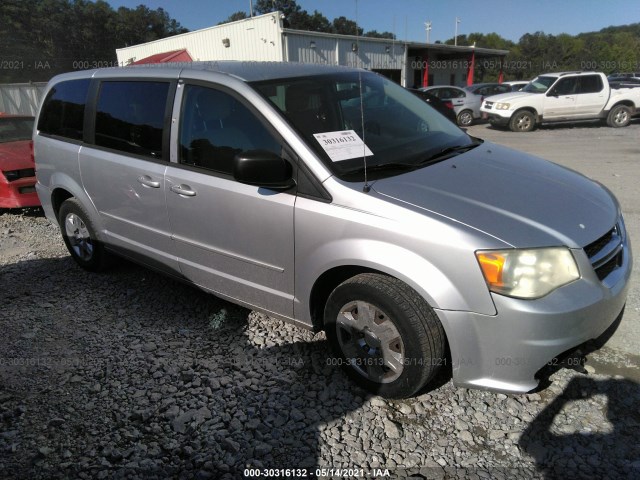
(523, 121)
(465, 118)
(619, 116)
(80, 237)
(384, 335)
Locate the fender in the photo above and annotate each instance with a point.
(416, 271)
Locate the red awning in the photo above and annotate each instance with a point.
(166, 57)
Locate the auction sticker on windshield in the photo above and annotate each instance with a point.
(342, 145)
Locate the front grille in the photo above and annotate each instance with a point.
(599, 244)
(606, 253)
(488, 105)
(13, 175)
(604, 270)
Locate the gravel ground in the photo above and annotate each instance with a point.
(129, 374)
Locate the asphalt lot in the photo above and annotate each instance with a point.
(612, 157)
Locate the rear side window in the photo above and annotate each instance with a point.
(130, 116)
(63, 109)
(590, 84)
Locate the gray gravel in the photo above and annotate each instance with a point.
(129, 374)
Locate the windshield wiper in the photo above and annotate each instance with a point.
(449, 152)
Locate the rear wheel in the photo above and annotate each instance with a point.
(465, 118)
(619, 116)
(79, 236)
(522, 121)
(384, 335)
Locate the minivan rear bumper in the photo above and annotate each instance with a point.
(505, 351)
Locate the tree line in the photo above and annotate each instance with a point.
(610, 50)
(297, 18)
(41, 38)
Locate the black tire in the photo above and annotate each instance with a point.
(619, 116)
(80, 237)
(401, 347)
(465, 118)
(522, 121)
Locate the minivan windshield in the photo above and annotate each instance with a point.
(346, 116)
(539, 84)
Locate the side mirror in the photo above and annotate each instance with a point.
(263, 169)
(553, 93)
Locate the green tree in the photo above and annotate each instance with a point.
(344, 26)
(315, 22)
(46, 37)
(290, 9)
(234, 17)
(376, 34)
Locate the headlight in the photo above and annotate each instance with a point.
(502, 106)
(530, 273)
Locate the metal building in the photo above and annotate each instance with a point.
(21, 98)
(263, 38)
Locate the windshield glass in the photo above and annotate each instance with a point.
(15, 129)
(539, 84)
(398, 129)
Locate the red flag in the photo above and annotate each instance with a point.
(425, 77)
(501, 76)
(471, 68)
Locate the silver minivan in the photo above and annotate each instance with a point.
(329, 197)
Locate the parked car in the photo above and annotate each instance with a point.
(328, 197)
(488, 89)
(466, 105)
(515, 85)
(17, 175)
(626, 75)
(445, 107)
(562, 97)
(624, 80)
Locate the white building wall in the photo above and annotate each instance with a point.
(372, 55)
(334, 50)
(257, 38)
(299, 49)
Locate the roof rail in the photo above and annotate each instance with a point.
(571, 73)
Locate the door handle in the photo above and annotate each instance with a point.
(146, 181)
(184, 190)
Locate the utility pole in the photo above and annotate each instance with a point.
(455, 38)
(427, 27)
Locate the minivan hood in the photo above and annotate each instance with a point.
(518, 198)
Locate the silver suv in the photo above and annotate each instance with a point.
(330, 198)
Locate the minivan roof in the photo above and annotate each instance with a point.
(247, 71)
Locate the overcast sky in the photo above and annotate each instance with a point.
(509, 18)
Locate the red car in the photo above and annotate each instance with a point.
(17, 169)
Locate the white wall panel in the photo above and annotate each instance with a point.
(251, 39)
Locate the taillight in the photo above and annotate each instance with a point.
(448, 104)
(33, 157)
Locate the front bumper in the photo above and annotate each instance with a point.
(19, 193)
(496, 119)
(504, 352)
